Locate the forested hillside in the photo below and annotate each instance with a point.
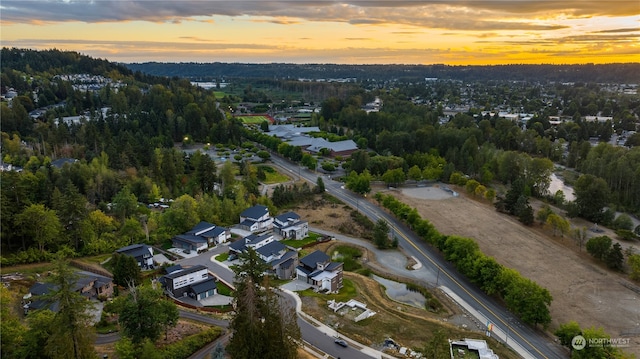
(609, 73)
(119, 131)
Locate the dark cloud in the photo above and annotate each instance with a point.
(457, 15)
(632, 29)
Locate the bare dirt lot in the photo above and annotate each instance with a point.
(582, 289)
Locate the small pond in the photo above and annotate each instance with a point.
(399, 292)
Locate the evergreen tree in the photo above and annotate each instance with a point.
(73, 336)
(261, 327)
(125, 270)
(615, 258)
(381, 234)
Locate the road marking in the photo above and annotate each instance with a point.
(465, 290)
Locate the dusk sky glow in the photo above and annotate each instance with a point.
(343, 32)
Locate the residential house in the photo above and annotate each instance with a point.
(214, 234)
(318, 270)
(89, 285)
(201, 237)
(256, 219)
(251, 241)
(180, 282)
(142, 253)
(285, 266)
(289, 226)
(281, 261)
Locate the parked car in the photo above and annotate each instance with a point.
(341, 342)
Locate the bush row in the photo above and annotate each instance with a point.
(522, 296)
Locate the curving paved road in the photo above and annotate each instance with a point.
(527, 341)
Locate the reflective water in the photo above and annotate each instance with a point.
(399, 292)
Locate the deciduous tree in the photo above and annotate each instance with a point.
(146, 313)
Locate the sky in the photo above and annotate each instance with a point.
(471, 32)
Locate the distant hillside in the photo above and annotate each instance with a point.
(58, 62)
(610, 73)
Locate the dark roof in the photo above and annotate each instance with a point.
(256, 211)
(272, 248)
(238, 245)
(247, 222)
(184, 271)
(333, 266)
(249, 240)
(135, 250)
(214, 232)
(286, 216)
(204, 286)
(61, 161)
(188, 238)
(41, 288)
(314, 258)
(288, 256)
(201, 227)
(174, 268)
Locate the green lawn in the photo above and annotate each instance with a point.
(273, 176)
(219, 94)
(252, 119)
(348, 291)
(222, 257)
(223, 289)
(298, 243)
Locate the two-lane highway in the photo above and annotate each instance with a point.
(529, 342)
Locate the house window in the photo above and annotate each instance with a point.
(204, 275)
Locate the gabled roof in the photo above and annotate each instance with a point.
(214, 232)
(204, 286)
(286, 216)
(180, 273)
(41, 288)
(272, 248)
(333, 266)
(200, 228)
(135, 250)
(248, 223)
(249, 240)
(255, 212)
(191, 239)
(289, 255)
(312, 259)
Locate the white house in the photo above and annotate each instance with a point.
(214, 234)
(251, 241)
(289, 225)
(180, 281)
(256, 219)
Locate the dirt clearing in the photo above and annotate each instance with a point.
(582, 290)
